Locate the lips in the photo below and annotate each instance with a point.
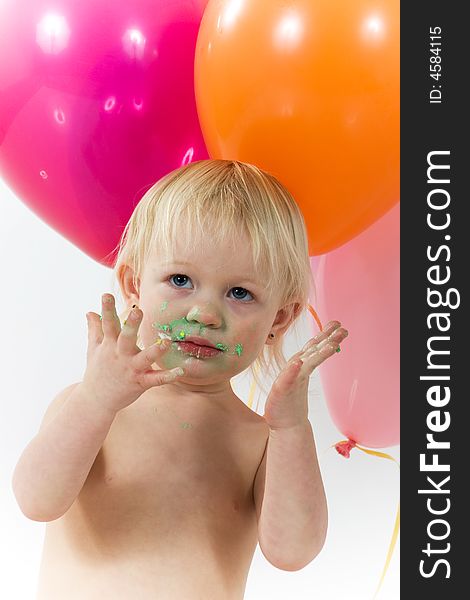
(199, 341)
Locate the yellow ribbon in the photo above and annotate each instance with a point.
(252, 391)
(348, 444)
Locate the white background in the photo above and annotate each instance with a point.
(47, 287)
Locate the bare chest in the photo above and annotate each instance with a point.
(169, 492)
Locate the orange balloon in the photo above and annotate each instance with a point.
(309, 91)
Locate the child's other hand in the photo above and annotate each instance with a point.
(287, 402)
(118, 371)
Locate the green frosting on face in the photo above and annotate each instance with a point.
(163, 306)
(185, 327)
(182, 327)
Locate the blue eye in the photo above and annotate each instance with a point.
(242, 290)
(178, 280)
(179, 276)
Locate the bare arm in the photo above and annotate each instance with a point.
(55, 464)
(288, 491)
(290, 500)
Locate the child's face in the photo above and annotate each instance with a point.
(213, 293)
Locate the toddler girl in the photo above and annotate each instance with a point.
(156, 481)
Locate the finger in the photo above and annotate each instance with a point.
(323, 350)
(295, 357)
(95, 332)
(109, 318)
(312, 342)
(146, 357)
(332, 333)
(335, 338)
(127, 340)
(316, 358)
(322, 335)
(154, 378)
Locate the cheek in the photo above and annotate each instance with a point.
(162, 320)
(251, 337)
(154, 321)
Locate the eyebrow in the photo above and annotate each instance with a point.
(188, 264)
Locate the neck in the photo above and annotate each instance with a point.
(219, 393)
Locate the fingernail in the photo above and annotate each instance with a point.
(162, 344)
(174, 373)
(163, 336)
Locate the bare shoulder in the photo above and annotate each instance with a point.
(262, 426)
(263, 433)
(56, 404)
(248, 415)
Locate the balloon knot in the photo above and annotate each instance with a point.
(344, 448)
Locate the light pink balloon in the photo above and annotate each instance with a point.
(96, 104)
(359, 285)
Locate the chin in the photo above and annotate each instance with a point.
(197, 370)
(195, 366)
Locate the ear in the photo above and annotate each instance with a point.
(129, 288)
(284, 317)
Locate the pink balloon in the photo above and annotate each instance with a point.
(96, 104)
(359, 285)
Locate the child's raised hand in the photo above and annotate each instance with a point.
(118, 371)
(287, 402)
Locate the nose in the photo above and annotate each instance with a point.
(206, 315)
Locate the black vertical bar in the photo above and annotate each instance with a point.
(435, 271)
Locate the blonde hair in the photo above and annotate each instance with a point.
(225, 197)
